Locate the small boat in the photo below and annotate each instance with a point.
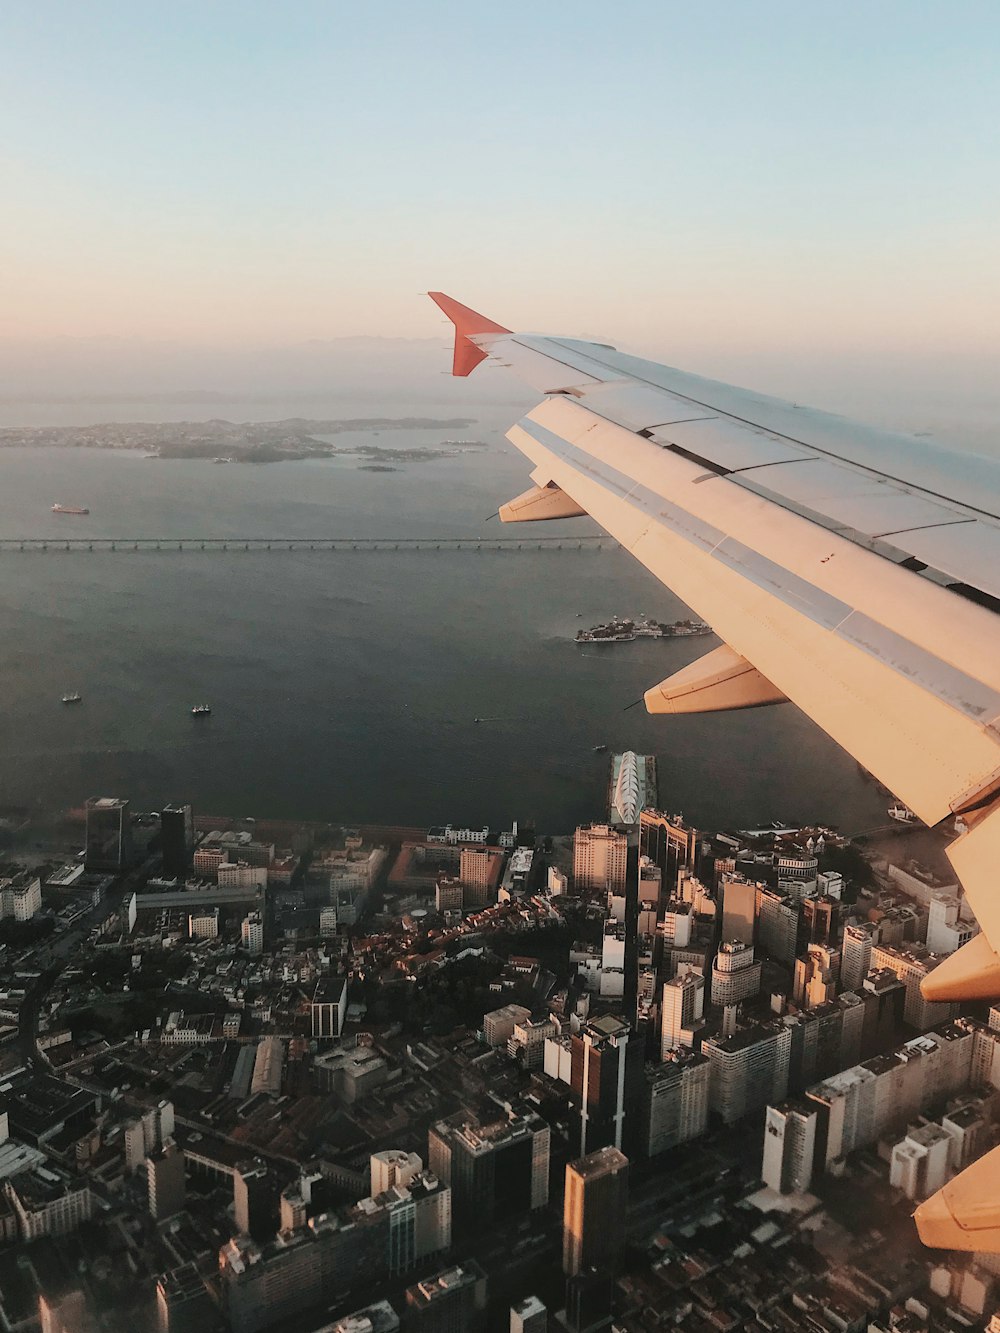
(69, 509)
(600, 749)
(201, 710)
(72, 698)
(477, 719)
(902, 814)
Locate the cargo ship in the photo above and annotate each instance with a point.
(68, 509)
(626, 631)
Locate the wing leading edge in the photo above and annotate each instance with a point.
(849, 570)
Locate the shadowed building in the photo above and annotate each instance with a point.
(594, 1212)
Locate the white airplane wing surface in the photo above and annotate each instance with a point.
(852, 571)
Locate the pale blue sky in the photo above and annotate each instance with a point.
(808, 173)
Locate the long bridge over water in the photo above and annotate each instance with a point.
(337, 544)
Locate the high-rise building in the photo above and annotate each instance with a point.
(749, 1069)
(681, 1012)
(68, 1312)
(499, 1024)
(479, 870)
(255, 1200)
(109, 834)
(452, 1301)
(329, 1008)
(675, 1101)
(946, 931)
(821, 918)
(816, 975)
(393, 1167)
(176, 840)
(739, 907)
(856, 962)
(147, 1133)
(790, 1130)
(252, 932)
(165, 1180)
(919, 1162)
(670, 844)
(594, 1209)
(599, 859)
(419, 1214)
(778, 925)
(495, 1171)
(911, 965)
(204, 924)
(183, 1304)
(606, 1079)
(735, 974)
(529, 1316)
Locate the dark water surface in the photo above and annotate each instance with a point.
(345, 686)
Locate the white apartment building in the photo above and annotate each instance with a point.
(946, 932)
(252, 933)
(498, 1025)
(789, 1146)
(735, 974)
(856, 961)
(681, 1012)
(240, 875)
(204, 925)
(749, 1069)
(20, 898)
(911, 965)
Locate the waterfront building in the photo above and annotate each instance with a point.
(449, 894)
(176, 840)
(670, 844)
(594, 1211)
(599, 859)
(632, 788)
(109, 834)
(480, 869)
(495, 1171)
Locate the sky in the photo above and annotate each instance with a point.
(721, 183)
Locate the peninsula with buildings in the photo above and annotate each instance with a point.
(248, 441)
(262, 1076)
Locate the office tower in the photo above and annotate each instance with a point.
(946, 931)
(675, 927)
(419, 1219)
(919, 1162)
(911, 965)
(594, 1209)
(329, 1008)
(176, 840)
(526, 1043)
(735, 974)
(589, 1301)
(856, 962)
(479, 869)
(739, 907)
(495, 1171)
(529, 1316)
(255, 1200)
(749, 1069)
(147, 1133)
(670, 844)
(821, 919)
(165, 1181)
(252, 932)
(452, 1301)
(392, 1167)
(681, 1012)
(606, 1079)
(183, 1304)
(815, 977)
(599, 859)
(674, 1106)
(778, 925)
(790, 1130)
(109, 834)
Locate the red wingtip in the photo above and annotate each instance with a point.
(466, 321)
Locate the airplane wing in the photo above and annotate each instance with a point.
(850, 570)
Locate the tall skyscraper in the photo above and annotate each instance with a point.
(606, 1079)
(857, 955)
(675, 1101)
(681, 1011)
(495, 1171)
(594, 1209)
(739, 907)
(790, 1131)
(165, 1181)
(176, 840)
(109, 834)
(255, 1200)
(670, 843)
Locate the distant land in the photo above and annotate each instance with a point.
(246, 441)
